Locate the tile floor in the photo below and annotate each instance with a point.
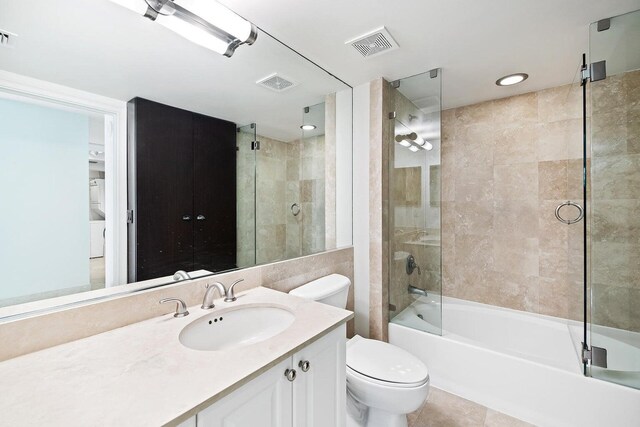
(443, 409)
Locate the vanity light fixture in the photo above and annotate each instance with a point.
(203, 22)
(512, 79)
(308, 127)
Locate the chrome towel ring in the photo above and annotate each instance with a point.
(295, 209)
(570, 221)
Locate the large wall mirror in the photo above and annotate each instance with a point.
(129, 152)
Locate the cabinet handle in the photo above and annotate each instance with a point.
(186, 217)
(290, 374)
(304, 365)
(200, 218)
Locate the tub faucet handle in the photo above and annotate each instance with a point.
(411, 265)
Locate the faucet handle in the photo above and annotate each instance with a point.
(230, 297)
(181, 307)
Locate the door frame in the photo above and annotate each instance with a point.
(45, 93)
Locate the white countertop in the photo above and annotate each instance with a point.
(141, 375)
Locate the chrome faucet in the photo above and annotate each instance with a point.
(416, 291)
(181, 307)
(207, 302)
(181, 275)
(229, 296)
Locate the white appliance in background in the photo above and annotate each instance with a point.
(96, 197)
(96, 247)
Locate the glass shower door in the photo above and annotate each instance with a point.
(246, 195)
(415, 270)
(615, 199)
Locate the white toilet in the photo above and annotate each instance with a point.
(384, 382)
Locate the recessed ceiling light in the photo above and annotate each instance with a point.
(512, 79)
(308, 127)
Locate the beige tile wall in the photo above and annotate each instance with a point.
(381, 131)
(271, 197)
(615, 225)
(507, 164)
(35, 333)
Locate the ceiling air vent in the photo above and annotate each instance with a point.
(374, 43)
(276, 82)
(7, 39)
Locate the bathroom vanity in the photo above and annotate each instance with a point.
(143, 374)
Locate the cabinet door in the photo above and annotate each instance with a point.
(319, 395)
(214, 180)
(265, 402)
(161, 189)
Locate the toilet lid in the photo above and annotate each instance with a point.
(384, 362)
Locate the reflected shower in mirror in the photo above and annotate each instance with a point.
(121, 164)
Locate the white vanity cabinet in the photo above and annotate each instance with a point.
(314, 397)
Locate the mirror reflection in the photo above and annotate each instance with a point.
(131, 157)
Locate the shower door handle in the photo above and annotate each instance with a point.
(570, 221)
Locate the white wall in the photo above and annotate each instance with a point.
(361, 207)
(44, 222)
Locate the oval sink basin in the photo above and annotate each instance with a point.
(235, 328)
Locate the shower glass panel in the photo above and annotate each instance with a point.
(615, 198)
(246, 195)
(415, 270)
(290, 183)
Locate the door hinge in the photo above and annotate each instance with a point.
(596, 71)
(255, 145)
(392, 115)
(129, 216)
(596, 356)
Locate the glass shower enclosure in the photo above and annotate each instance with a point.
(415, 270)
(614, 199)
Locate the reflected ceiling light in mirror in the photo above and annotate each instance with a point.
(414, 148)
(308, 127)
(203, 22)
(512, 79)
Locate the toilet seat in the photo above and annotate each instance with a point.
(384, 364)
(352, 374)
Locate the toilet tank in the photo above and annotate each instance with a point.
(332, 289)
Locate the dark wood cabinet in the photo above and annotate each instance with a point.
(182, 191)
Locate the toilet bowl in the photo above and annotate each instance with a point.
(389, 381)
(384, 382)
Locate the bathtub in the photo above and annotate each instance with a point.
(523, 364)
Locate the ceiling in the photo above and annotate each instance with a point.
(106, 49)
(474, 41)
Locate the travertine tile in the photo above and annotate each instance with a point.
(474, 146)
(444, 409)
(560, 103)
(616, 177)
(555, 139)
(474, 183)
(517, 144)
(516, 110)
(552, 180)
(516, 182)
(498, 419)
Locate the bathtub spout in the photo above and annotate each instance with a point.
(416, 291)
